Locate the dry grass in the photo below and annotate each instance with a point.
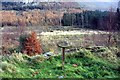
(75, 38)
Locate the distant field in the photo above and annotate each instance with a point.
(75, 36)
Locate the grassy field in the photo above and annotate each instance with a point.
(81, 64)
(76, 38)
(87, 61)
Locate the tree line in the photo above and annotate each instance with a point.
(100, 20)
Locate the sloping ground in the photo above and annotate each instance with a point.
(31, 17)
(82, 64)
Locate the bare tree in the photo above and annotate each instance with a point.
(111, 26)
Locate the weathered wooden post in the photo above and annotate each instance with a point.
(63, 45)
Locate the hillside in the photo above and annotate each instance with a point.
(33, 17)
(59, 40)
(21, 6)
(82, 64)
(43, 13)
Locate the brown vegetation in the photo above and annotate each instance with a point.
(32, 45)
(33, 17)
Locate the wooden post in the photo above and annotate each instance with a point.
(63, 58)
(63, 45)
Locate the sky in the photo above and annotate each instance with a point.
(93, 5)
(62, 0)
(99, 5)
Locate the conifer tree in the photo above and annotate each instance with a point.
(32, 45)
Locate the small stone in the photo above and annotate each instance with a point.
(75, 65)
(47, 54)
(36, 73)
(61, 77)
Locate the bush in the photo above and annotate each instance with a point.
(22, 40)
(30, 45)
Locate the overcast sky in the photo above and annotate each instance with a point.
(63, 0)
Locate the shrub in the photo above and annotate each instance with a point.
(22, 40)
(30, 44)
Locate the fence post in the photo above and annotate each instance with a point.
(63, 45)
